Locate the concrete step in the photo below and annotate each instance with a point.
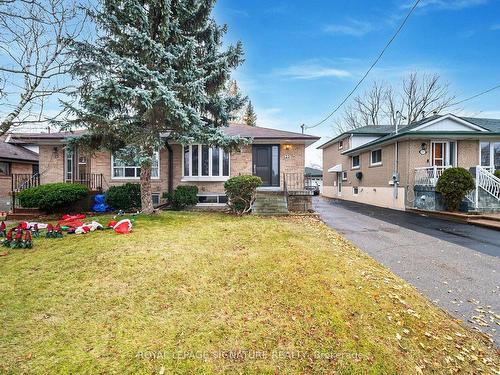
(270, 203)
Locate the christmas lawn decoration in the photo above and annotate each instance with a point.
(2, 229)
(8, 238)
(53, 232)
(35, 231)
(27, 243)
(157, 67)
(16, 243)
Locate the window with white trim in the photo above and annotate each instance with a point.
(341, 145)
(355, 162)
(344, 175)
(122, 169)
(205, 163)
(376, 157)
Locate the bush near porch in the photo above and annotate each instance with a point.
(189, 293)
(52, 197)
(454, 184)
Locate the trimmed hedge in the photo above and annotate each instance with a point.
(241, 192)
(126, 197)
(52, 197)
(454, 184)
(183, 196)
(497, 173)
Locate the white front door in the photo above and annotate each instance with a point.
(443, 153)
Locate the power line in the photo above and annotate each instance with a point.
(371, 67)
(475, 96)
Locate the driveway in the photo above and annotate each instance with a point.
(457, 266)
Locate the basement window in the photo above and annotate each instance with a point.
(212, 199)
(355, 190)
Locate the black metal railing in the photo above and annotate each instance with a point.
(92, 180)
(22, 181)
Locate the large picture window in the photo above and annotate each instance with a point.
(122, 169)
(490, 154)
(201, 162)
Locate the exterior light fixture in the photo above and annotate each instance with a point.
(423, 149)
(287, 147)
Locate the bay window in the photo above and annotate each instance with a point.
(201, 162)
(131, 169)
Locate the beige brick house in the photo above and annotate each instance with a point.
(399, 168)
(272, 155)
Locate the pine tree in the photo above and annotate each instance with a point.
(156, 67)
(250, 117)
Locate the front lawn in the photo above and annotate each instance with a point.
(211, 293)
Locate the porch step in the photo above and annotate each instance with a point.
(270, 203)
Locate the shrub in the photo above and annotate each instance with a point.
(241, 192)
(454, 184)
(182, 196)
(125, 197)
(52, 197)
(497, 173)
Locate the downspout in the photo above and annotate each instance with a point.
(170, 167)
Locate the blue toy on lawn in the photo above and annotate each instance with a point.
(99, 205)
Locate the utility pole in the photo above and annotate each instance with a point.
(302, 127)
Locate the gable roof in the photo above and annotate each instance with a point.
(488, 127)
(255, 132)
(375, 130)
(16, 153)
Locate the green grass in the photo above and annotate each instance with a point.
(211, 293)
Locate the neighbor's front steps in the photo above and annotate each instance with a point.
(270, 203)
(490, 220)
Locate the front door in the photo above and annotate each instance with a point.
(265, 164)
(339, 183)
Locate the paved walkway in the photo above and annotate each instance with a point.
(457, 266)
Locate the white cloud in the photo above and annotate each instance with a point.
(310, 70)
(353, 28)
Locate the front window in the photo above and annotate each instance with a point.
(202, 161)
(341, 145)
(131, 169)
(344, 175)
(68, 164)
(355, 161)
(376, 157)
(490, 154)
(4, 168)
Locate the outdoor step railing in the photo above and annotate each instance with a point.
(488, 182)
(294, 181)
(92, 180)
(22, 181)
(428, 176)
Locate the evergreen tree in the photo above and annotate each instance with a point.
(156, 67)
(250, 117)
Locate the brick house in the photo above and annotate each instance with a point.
(15, 160)
(399, 168)
(273, 155)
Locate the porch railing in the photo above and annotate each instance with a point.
(294, 181)
(428, 176)
(92, 180)
(22, 181)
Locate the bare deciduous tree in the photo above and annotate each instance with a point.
(383, 105)
(34, 36)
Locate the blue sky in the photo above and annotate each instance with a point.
(302, 57)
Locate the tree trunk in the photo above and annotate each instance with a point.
(146, 199)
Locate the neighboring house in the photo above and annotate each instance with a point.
(314, 178)
(16, 163)
(399, 168)
(272, 155)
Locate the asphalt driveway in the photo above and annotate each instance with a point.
(455, 265)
